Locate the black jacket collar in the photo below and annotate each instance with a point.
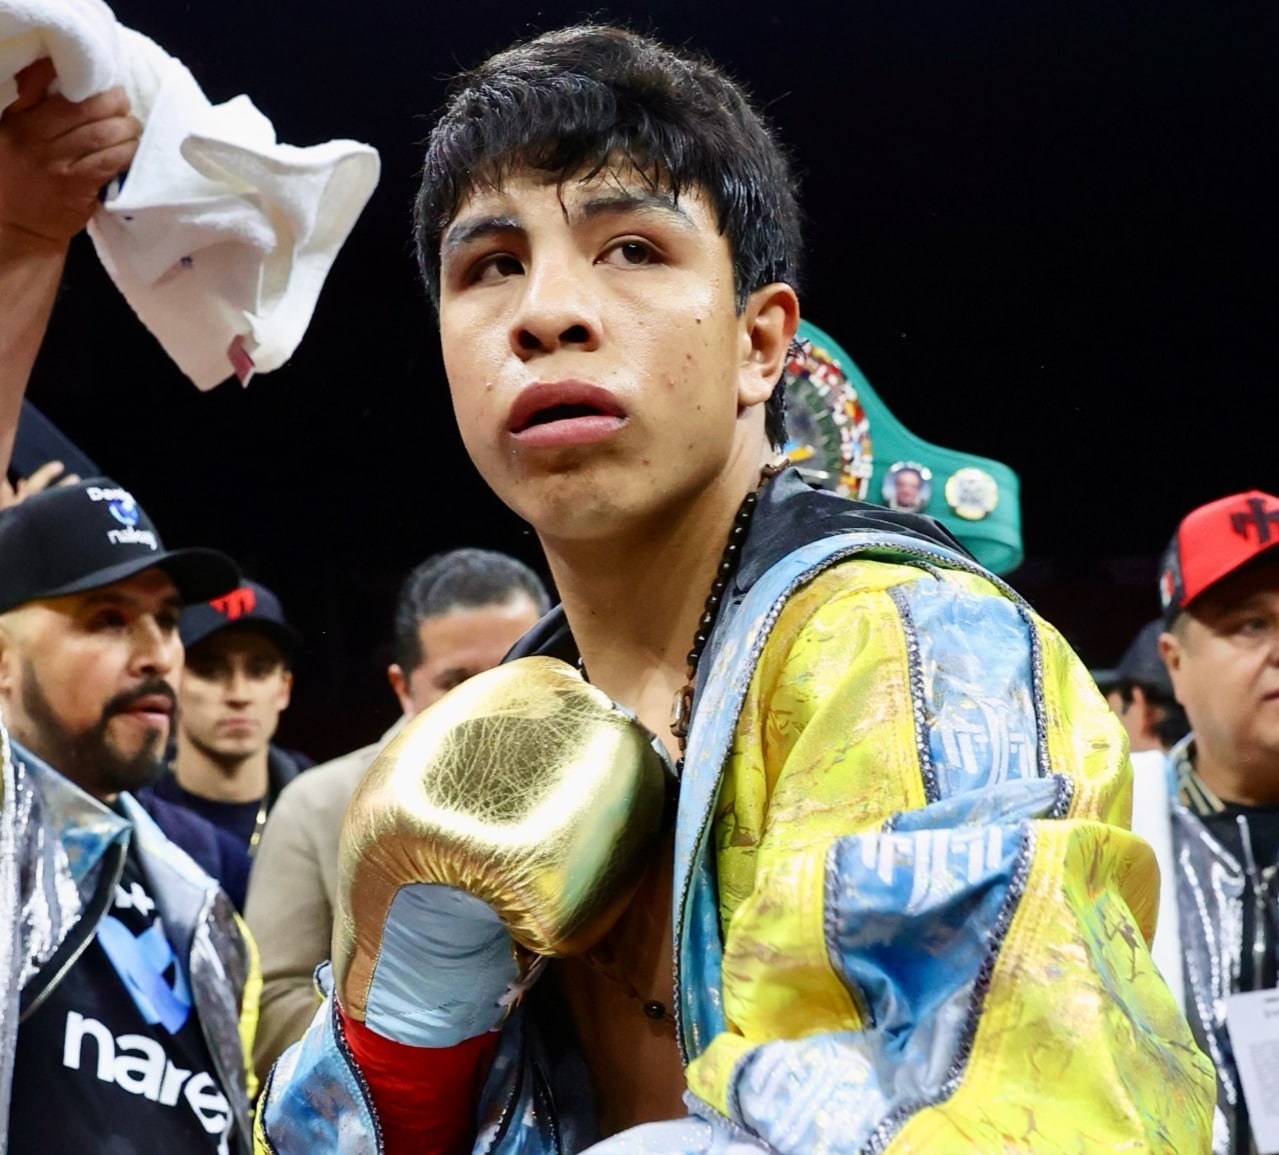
(790, 514)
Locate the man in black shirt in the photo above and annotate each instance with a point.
(236, 684)
(1219, 583)
(125, 968)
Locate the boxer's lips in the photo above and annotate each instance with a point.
(584, 411)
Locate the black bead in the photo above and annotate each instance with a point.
(655, 1010)
(724, 572)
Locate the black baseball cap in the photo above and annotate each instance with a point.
(249, 606)
(73, 538)
(1141, 664)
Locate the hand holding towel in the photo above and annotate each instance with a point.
(219, 237)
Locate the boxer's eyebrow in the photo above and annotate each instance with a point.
(468, 232)
(626, 202)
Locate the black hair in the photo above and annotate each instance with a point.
(573, 102)
(459, 579)
(1171, 723)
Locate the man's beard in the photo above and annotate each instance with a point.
(89, 758)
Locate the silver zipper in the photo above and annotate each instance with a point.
(344, 1048)
(1258, 903)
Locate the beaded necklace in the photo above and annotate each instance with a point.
(682, 703)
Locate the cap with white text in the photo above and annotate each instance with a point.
(74, 538)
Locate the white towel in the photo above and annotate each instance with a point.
(219, 237)
(80, 36)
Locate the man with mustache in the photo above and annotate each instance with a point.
(1211, 810)
(125, 968)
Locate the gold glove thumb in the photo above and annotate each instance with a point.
(526, 787)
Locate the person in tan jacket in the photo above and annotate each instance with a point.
(458, 613)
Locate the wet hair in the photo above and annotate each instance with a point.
(578, 101)
(459, 579)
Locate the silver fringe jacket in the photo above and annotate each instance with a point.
(61, 853)
(1218, 931)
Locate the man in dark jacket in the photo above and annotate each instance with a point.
(237, 682)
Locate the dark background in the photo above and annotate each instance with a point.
(1044, 230)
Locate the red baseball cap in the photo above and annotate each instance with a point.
(1212, 542)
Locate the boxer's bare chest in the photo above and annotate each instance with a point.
(622, 1001)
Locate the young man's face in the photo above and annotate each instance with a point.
(458, 645)
(598, 365)
(1223, 658)
(88, 680)
(232, 692)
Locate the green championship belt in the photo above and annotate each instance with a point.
(842, 437)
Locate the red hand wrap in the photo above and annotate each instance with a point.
(424, 1096)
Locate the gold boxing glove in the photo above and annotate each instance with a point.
(510, 821)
